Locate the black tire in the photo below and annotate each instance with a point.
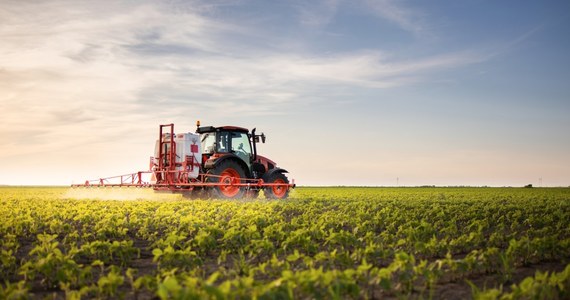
(272, 192)
(227, 169)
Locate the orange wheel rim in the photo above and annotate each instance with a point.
(228, 177)
(279, 190)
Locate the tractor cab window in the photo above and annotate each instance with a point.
(209, 142)
(241, 146)
(223, 141)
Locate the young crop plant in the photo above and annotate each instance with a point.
(321, 243)
(48, 263)
(121, 252)
(183, 259)
(16, 290)
(8, 262)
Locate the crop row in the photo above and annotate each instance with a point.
(322, 243)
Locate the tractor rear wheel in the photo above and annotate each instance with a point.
(227, 174)
(276, 192)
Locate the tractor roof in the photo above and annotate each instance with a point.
(227, 128)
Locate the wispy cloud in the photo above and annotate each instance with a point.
(323, 12)
(397, 12)
(317, 13)
(106, 68)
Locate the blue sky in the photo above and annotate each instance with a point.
(348, 92)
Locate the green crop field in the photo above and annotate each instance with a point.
(322, 243)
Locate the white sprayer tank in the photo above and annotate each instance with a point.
(188, 146)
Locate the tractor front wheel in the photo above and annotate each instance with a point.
(276, 191)
(226, 176)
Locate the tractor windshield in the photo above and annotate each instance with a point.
(216, 142)
(241, 147)
(237, 143)
(209, 142)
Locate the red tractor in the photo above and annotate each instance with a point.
(229, 154)
(219, 162)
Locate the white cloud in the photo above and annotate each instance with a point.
(74, 72)
(102, 61)
(395, 11)
(323, 12)
(317, 13)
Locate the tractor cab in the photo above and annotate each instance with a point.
(221, 141)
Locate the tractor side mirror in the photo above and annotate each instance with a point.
(257, 138)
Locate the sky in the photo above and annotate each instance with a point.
(361, 92)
